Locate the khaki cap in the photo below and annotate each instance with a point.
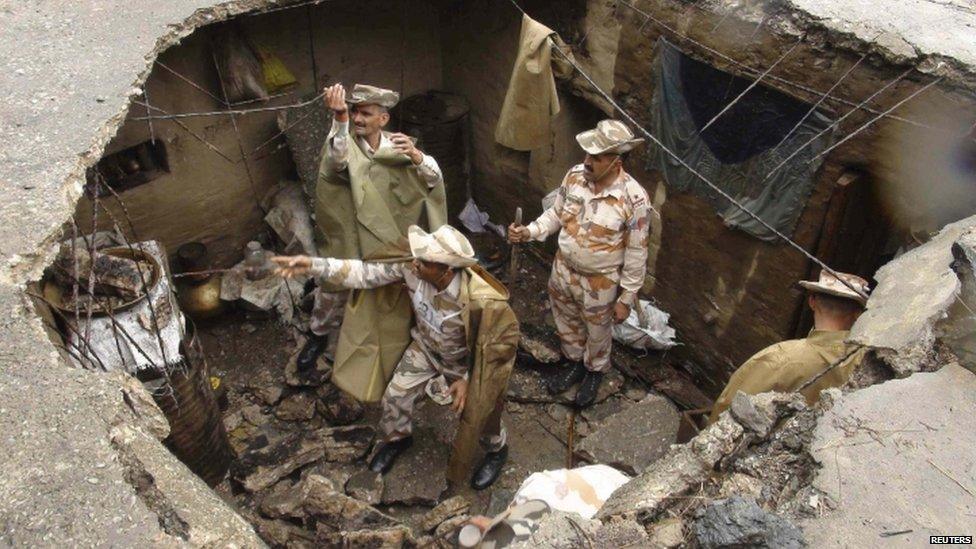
(446, 245)
(829, 284)
(609, 136)
(363, 94)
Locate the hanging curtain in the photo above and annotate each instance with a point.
(740, 148)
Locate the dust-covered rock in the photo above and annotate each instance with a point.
(345, 444)
(635, 437)
(446, 509)
(366, 486)
(334, 511)
(740, 522)
(667, 533)
(297, 407)
(270, 457)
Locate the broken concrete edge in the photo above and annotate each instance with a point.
(673, 480)
(908, 342)
(24, 267)
(789, 20)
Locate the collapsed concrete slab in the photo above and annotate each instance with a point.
(897, 457)
(635, 437)
(914, 293)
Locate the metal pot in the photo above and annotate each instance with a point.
(200, 300)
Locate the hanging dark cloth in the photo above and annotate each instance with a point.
(739, 149)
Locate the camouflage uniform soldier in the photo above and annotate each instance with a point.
(602, 215)
(401, 162)
(438, 359)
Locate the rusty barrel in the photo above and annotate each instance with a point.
(197, 435)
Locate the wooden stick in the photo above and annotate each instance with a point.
(513, 262)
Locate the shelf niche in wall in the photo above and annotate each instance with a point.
(128, 168)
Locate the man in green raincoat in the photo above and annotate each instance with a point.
(372, 185)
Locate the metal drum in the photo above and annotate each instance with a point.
(197, 435)
(439, 121)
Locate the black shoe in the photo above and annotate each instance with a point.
(388, 453)
(314, 346)
(491, 467)
(570, 374)
(588, 389)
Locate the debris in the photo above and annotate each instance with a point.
(560, 529)
(366, 486)
(635, 393)
(383, 538)
(740, 522)
(635, 437)
(445, 510)
(621, 533)
(288, 216)
(113, 275)
(297, 407)
(334, 511)
(667, 534)
(248, 328)
(337, 406)
(652, 333)
(746, 414)
(740, 484)
(674, 474)
(345, 444)
(268, 391)
(540, 351)
(267, 461)
(418, 476)
(254, 415)
(283, 500)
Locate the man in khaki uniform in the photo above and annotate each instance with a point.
(788, 365)
(602, 215)
(372, 185)
(462, 319)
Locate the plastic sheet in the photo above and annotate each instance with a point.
(656, 335)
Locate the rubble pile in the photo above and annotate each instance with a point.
(107, 280)
(729, 485)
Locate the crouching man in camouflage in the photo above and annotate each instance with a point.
(462, 349)
(602, 215)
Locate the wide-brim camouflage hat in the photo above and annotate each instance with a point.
(363, 94)
(446, 245)
(609, 136)
(831, 285)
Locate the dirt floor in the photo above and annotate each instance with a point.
(263, 404)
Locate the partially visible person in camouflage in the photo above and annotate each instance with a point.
(438, 359)
(602, 215)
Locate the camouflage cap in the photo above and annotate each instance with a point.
(446, 245)
(829, 284)
(363, 94)
(609, 136)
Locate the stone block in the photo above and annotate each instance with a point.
(634, 437)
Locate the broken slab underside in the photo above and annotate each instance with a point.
(895, 457)
(914, 293)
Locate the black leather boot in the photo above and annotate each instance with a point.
(570, 374)
(314, 346)
(588, 389)
(491, 467)
(388, 453)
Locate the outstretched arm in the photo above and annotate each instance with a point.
(348, 273)
(545, 225)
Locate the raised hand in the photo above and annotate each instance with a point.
(335, 99)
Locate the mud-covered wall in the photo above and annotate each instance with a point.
(209, 198)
